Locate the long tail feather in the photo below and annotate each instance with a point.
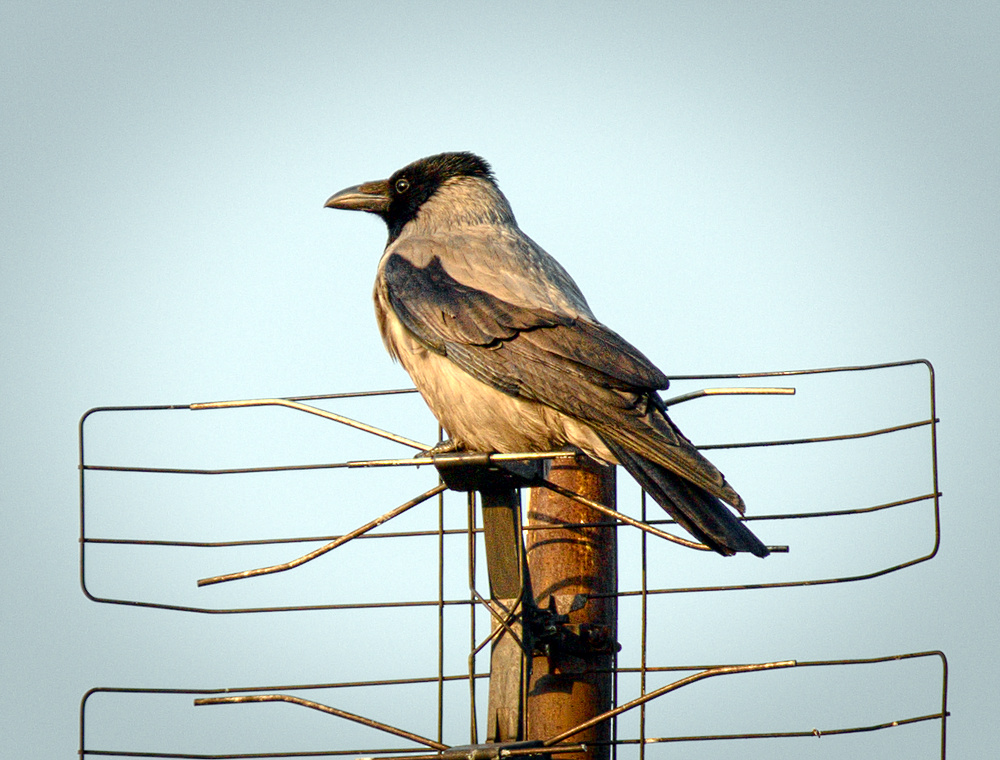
(704, 516)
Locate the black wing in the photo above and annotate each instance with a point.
(572, 364)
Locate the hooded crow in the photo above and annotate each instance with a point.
(504, 349)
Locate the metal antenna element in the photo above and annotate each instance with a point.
(543, 608)
(330, 546)
(555, 743)
(326, 709)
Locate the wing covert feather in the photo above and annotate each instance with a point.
(447, 315)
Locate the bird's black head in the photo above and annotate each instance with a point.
(398, 198)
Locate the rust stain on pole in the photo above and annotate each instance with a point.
(566, 561)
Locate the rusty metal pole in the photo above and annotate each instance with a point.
(568, 565)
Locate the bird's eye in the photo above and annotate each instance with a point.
(402, 185)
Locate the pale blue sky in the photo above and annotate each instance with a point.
(735, 186)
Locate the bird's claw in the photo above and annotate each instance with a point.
(447, 446)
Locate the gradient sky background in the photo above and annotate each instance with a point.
(735, 186)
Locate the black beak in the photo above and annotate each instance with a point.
(372, 197)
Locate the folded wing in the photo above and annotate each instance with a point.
(572, 364)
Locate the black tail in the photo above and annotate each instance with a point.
(702, 515)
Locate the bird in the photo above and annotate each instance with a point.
(504, 349)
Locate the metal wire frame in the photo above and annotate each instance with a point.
(643, 669)
(561, 742)
(647, 527)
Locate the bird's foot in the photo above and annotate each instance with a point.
(447, 446)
